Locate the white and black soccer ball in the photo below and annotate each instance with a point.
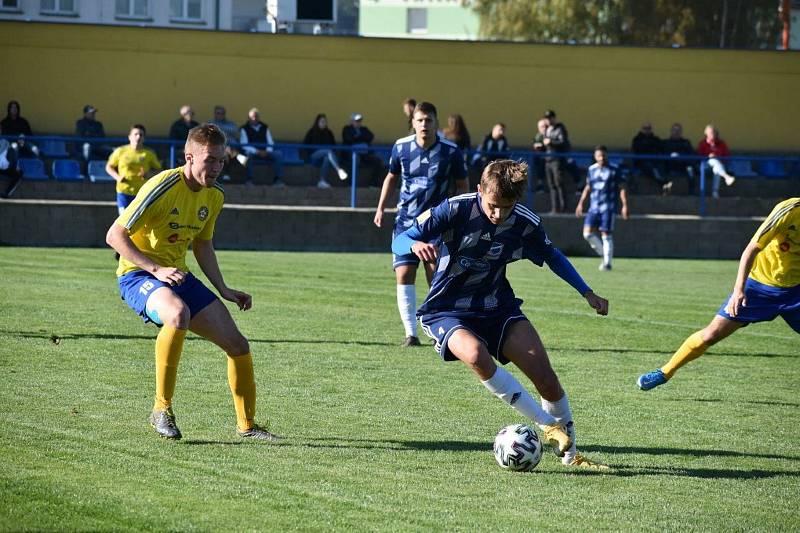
(518, 448)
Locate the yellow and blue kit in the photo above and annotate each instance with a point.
(133, 165)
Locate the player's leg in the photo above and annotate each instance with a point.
(693, 347)
(406, 275)
(165, 307)
(608, 249)
(470, 350)
(591, 236)
(430, 270)
(215, 323)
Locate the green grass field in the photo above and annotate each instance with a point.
(379, 437)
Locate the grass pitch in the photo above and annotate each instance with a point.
(379, 437)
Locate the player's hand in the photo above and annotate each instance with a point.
(597, 303)
(579, 210)
(546, 141)
(625, 213)
(425, 251)
(736, 302)
(170, 275)
(243, 300)
(378, 217)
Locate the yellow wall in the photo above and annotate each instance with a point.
(602, 94)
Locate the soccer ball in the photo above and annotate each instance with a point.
(518, 448)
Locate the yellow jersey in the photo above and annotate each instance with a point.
(166, 216)
(133, 165)
(778, 262)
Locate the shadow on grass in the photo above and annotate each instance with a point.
(719, 400)
(201, 442)
(715, 353)
(702, 473)
(682, 451)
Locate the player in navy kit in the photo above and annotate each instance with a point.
(471, 310)
(426, 164)
(603, 183)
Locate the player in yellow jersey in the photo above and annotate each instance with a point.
(174, 209)
(767, 286)
(131, 166)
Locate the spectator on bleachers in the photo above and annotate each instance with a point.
(676, 145)
(8, 168)
(713, 147)
(645, 142)
(90, 127)
(131, 165)
(555, 141)
(14, 123)
(538, 146)
(254, 132)
(357, 135)
(231, 131)
(457, 132)
(179, 130)
(408, 110)
(324, 158)
(25, 150)
(493, 147)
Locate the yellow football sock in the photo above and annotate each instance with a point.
(243, 388)
(692, 348)
(169, 345)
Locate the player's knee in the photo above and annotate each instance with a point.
(176, 315)
(478, 359)
(587, 234)
(238, 346)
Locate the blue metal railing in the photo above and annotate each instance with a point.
(783, 166)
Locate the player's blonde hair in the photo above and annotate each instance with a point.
(205, 135)
(505, 177)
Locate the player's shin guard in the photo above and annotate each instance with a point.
(506, 387)
(594, 241)
(407, 305)
(608, 249)
(169, 345)
(692, 348)
(561, 411)
(243, 388)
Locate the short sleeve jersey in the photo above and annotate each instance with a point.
(132, 165)
(604, 184)
(470, 278)
(425, 176)
(166, 216)
(778, 262)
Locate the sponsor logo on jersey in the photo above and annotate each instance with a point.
(469, 263)
(202, 213)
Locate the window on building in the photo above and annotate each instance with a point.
(9, 5)
(186, 10)
(58, 7)
(417, 20)
(315, 10)
(132, 8)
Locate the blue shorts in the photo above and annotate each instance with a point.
(137, 286)
(491, 331)
(124, 200)
(405, 259)
(602, 221)
(765, 303)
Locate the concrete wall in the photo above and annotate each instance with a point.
(252, 227)
(602, 93)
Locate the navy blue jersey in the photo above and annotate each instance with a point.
(470, 278)
(604, 183)
(425, 175)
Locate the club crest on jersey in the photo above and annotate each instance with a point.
(202, 213)
(495, 250)
(478, 265)
(784, 246)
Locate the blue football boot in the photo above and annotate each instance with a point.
(651, 380)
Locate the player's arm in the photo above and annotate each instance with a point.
(389, 184)
(738, 299)
(584, 195)
(427, 226)
(119, 239)
(562, 267)
(111, 166)
(207, 259)
(623, 198)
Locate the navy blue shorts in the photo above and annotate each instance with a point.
(765, 303)
(137, 286)
(405, 259)
(491, 331)
(602, 221)
(123, 201)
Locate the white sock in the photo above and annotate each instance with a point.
(506, 387)
(407, 305)
(561, 411)
(608, 249)
(594, 241)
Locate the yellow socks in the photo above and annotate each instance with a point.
(169, 345)
(692, 348)
(243, 389)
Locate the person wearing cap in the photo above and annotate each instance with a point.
(257, 144)
(357, 135)
(89, 126)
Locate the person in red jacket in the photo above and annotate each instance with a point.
(713, 147)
